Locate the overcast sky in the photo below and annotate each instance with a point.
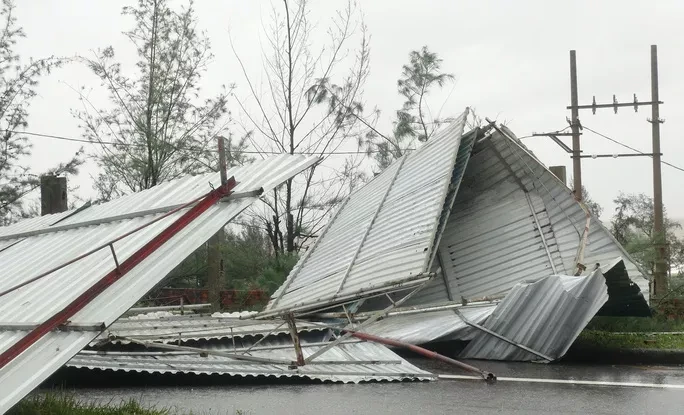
(510, 60)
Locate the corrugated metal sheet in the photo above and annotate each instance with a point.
(421, 328)
(385, 366)
(382, 234)
(512, 220)
(546, 316)
(36, 302)
(174, 328)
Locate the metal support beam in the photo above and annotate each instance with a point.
(295, 338)
(378, 315)
(541, 232)
(500, 337)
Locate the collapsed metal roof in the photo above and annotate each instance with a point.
(383, 236)
(80, 298)
(482, 218)
(352, 361)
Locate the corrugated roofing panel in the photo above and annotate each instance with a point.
(386, 366)
(425, 327)
(513, 220)
(38, 301)
(546, 316)
(382, 234)
(194, 328)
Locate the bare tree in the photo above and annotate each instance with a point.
(157, 128)
(304, 110)
(18, 82)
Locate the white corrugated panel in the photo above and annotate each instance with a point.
(174, 328)
(38, 301)
(385, 366)
(420, 328)
(546, 316)
(382, 234)
(514, 220)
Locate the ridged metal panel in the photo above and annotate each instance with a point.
(491, 241)
(396, 247)
(546, 316)
(426, 327)
(387, 365)
(37, 301)
(194, 328)
(567, 217)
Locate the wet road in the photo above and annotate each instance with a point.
(441, 397)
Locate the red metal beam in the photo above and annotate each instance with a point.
(126, 266)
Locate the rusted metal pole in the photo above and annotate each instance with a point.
(660, 276)
(487, 376)
(576, 148)
(295, 338)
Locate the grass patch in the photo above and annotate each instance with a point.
(613, 340)
(60, 404)
(635, 324)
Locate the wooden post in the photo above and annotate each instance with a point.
(215, 275)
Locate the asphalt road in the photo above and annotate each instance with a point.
(440, 397)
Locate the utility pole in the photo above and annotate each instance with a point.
(659, 287)
(660, 276)
(574, 124)
(53, 194)
(214, 258)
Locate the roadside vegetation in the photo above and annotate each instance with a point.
(65, 404)
(62, 404)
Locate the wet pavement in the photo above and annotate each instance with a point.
(440, 397)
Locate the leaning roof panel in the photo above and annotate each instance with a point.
(39, 248)
(381, 236)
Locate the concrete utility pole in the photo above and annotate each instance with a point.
(659, 287)
(214, 258)
(574, 124)
(660, 276)
(53, 194)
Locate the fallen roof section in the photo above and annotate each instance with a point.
(352, 361)
(545, 316)
(89, 293)
(383, 236)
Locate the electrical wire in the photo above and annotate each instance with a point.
(111, 143)
(629, 147)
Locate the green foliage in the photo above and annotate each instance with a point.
(608, 340)
(18, 82)
(161, 128)
(414, 120)
(633, 227)
(248, 259)
(62, 404)
(635, 324)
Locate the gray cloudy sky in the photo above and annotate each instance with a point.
(510, 59)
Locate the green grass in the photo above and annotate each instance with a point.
(60, 404)
(612, 340)
(64, 404)
(635, 324)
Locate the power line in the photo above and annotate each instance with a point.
(631, 148)
(111, 143)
